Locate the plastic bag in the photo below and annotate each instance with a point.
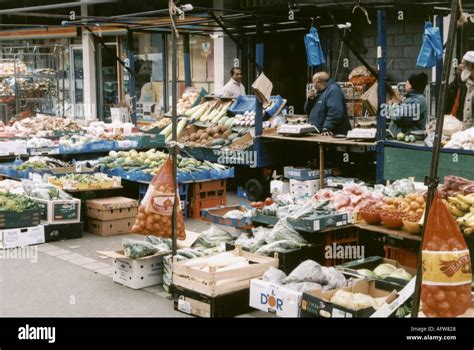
(308, 271)
(214, 236)
(249, 244)
(432, 47)
(283, 246)
(447, 273)
(314, 51)
(335, 278)
(138, 249)
(155, 215)
(284, 231)
(451, 125)
(273, 275)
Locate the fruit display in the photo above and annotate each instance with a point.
(160, 124)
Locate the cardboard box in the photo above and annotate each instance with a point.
(137, 273)
(110, 227)
(119, 115)
(215, 215)
(21, 237)
(59, 211)
(315, 223)
(274, 298)
(372, 262)
(197, 304)
(61, 232)
(340, 181)
(113, 208)
(317, 303)
(303, 174)
(277, 186)
(302, 189)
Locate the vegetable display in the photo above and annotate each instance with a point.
(16, 202)
(42, 163)
(42, 126)
(213, 136)
(44, 191)
(74, 181)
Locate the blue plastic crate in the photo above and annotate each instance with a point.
(241, 192)
(249, 103)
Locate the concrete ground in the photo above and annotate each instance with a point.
(70, 279)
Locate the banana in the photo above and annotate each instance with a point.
(459, 204)
(471, 209)
(469, 230)
(469, 199)
(455, 211)
(462, 198)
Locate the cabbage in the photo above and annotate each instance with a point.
(384, 270)
(401, 274)
(366, 273)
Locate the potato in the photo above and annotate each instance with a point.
(204, 136)
(227, 134)
(193, 137)
(141, 216)
(215, 130)
(200, 132)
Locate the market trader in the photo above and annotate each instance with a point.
(410, 115)
(234, 88)
(461, 92)
(327, 106)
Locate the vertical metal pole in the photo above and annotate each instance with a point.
(132, 89)
(259, 49)
(174, 92)
(432, 180)
(164, 52)
(187, 60)
(381, 92)
(439, 62)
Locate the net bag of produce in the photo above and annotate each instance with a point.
(155, 214)
(447, 274)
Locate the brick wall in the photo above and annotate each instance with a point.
(404, 39)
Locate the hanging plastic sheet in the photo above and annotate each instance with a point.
(314, 51)
(432, 48)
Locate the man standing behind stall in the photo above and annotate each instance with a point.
(461, 93)
(327, 107)
(234, 88)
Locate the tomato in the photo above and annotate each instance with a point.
(260, 205)
(268, 201)
(253, 204)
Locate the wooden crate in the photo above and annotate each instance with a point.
(214, 283)
(403, 256)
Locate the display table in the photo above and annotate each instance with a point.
(321, 141)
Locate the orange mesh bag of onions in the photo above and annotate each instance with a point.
(447, 273)
(155, 214)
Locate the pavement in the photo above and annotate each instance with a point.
(71, 279)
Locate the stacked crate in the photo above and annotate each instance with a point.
(207, 194)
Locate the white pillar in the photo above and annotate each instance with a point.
(219, 78)
(90, 90)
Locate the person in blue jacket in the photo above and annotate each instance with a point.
(411, 114)
(327, 106)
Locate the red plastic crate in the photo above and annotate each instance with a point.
(195, 206)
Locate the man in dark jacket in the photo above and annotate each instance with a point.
(327, 107)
